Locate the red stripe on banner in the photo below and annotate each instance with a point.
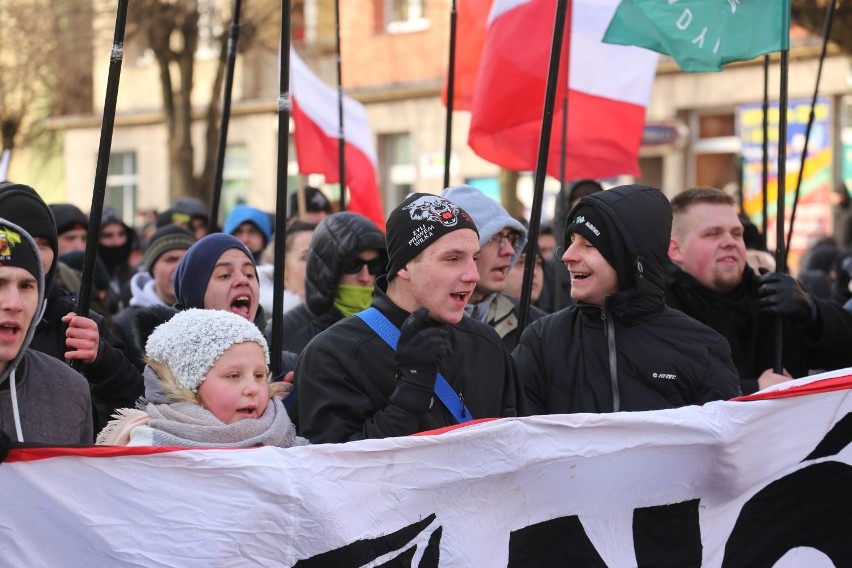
(446, 429)
(814, 387)
(35, 454)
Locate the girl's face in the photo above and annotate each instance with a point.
(235, 387)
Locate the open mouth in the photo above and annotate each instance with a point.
(579, 275)
(247, 412)
(9, 330)
(460, 297)
(241, 305)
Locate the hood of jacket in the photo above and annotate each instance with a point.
(639, 220)
(338, 239)
(26, 240)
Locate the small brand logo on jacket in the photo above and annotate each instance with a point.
(669, 376)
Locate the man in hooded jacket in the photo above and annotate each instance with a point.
(620, 347)
(42, 400)
(115, 381)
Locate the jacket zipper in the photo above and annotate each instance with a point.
(609, 331)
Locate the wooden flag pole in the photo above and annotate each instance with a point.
(284, 104)
(99, 191)
(213, 225)
(563, 8)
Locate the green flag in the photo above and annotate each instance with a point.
(703, 35)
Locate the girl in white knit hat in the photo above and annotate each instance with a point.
(213, 369)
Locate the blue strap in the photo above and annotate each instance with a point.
(390, 333)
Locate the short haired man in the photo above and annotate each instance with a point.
(501, 240)
(710, 281)
(42, 400)
(620, 347)
(354, 385)
(154, 286)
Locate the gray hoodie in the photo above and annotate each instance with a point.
(42, 400)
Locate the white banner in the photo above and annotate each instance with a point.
(762, 482)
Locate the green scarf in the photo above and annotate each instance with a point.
(353, 299)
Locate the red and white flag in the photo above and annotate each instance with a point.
(609, 88)
(315, 114)
(471, 24)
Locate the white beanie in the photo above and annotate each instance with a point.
(490, 217)
(192, 341)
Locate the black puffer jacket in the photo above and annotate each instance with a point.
(633, 353)
(338, 239)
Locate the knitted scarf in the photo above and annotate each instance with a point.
(189, 425)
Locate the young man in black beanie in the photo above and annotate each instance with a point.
(619, 347)
(115, 382)
(41, 399)
(411, 362)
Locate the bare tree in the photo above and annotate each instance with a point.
(172, 30)
(38, 54)
(811, 15)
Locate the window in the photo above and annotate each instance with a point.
(398, 172)
(236, 178)
(403, 15)
(122, 182)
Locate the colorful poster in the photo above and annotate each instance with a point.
(813, 213)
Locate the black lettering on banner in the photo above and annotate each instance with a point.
(667, 535)
(558, 542)
(810, 507)
(363, 552)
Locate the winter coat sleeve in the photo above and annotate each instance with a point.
(529, 362)
(828, 338)
(720, 380)
(114, 379)
(337, 401)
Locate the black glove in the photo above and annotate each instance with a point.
(423, 342)
(781, 295)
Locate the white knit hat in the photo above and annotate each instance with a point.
(190, 343)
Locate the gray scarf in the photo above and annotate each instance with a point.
(189, 425)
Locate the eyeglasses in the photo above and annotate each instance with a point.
(375, 266)
(500, 239)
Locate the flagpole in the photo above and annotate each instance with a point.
(563, 9)
(780, 252)
(558, 273)
(213, 224)
(451, 93)
(764, 177)
(826, 32)
(284, 105)
(341, 152)
(99, 191)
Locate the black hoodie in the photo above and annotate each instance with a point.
(632, 353)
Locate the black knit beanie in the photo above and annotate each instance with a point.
(16, 250)
(170, 237)
(23, 206)
(587, 221)
(418, 222)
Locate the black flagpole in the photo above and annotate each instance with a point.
(780, 252)
(562, 9)
(826, 32)
(764, 178)
(341, 139)
(226, 117)
(559, 273)
(451, 93)
(99, 191)
(284, 104)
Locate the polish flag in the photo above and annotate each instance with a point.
(315, 115)
(609, 88)
(471, 23)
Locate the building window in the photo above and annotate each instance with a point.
(399, 16)
(122, 182)
(236, 178)
(398, 172)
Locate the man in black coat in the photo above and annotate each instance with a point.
(619, 347)
(444, 368)
(710, 281)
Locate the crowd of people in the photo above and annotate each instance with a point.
(639, 303)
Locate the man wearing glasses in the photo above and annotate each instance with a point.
(502, 239)
(346, 254)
